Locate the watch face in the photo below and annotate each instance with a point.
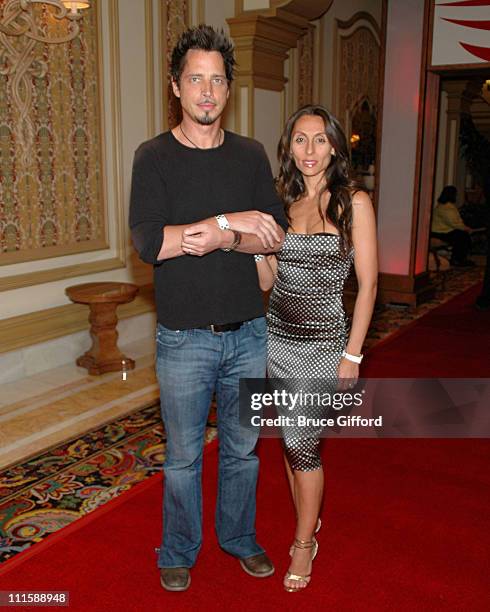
(222, 222)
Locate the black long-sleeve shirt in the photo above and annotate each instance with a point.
(173, 184)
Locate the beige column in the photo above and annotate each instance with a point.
(263, 40)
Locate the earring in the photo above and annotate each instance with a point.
(333, 153)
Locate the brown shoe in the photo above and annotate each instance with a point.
(175, 578)
(259, 566)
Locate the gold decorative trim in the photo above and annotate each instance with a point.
(201, 12)
(26, 330)
(36, 254)
(361, 15)
(102, 123)
(150, 70)
(117, 130)
(16, 281)
(48, 276)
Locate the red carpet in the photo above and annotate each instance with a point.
(406, 521)
(451, 341)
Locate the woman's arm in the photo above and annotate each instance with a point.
(366, 267)
(454, 219)
(267, 270)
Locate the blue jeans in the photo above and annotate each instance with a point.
(191, 365)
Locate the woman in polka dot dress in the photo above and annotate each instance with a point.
(332, 225)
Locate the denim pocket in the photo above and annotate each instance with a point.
(259, 327)
(170, 337)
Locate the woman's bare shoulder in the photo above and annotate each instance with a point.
(361, 198)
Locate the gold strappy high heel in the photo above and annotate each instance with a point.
(313, 545)
(317, 529)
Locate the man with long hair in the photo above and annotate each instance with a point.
(202, 202)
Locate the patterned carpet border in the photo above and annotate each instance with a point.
(50, 491)
(45, 493)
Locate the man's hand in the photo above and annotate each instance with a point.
(202, 238)
(258, 223)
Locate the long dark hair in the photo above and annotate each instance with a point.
(338, 175)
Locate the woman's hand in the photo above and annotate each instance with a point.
(348, 374)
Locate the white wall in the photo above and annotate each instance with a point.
(218, 11)
(268, 122)
(252, 5)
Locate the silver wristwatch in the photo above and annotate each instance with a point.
(222, 222)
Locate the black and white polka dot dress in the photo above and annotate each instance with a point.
(308, 327)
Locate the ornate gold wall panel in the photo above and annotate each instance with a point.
(174, 19)
(306, 62)
(51, 179)
(356, 63)
(358, 68)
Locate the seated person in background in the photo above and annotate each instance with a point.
(448, 226)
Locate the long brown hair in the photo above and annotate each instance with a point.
(338, 175)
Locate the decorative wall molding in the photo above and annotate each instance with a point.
(43, 325)
(7, 283)
(356, 62)
(262, 45)
(308, 9)
(358, 17)
(117, 145)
